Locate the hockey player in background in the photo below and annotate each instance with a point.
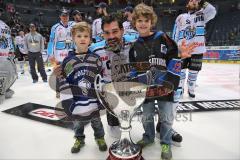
(60, 42)
(101, 10)
(21, 52)
(77, 16)
(127, 25)
(190, 27)
(8, 73)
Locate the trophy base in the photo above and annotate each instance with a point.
(137, 157)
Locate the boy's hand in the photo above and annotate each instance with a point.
(186, 50)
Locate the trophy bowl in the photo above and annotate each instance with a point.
(122, 99)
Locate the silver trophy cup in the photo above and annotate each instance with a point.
(122, 99)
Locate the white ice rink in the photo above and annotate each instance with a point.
(209, 135)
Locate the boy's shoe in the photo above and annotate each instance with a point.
(77, 145)
(45, 80)
(143, 143)
(101, 144)
(35, 81)
(166, 152)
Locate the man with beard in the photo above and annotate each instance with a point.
(127, 26)
(114, 45)
(77, 16)
(190, 27)
(101, 10)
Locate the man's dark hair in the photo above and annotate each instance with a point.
(112, 17)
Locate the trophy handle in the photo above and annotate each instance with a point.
(98, 86)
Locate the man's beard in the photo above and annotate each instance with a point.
(192, 8)
(114, 45)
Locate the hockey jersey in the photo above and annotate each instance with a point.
(128, 29)
(161, 53)
(97, 30)
(191, 26)
(6, 42)
(77, 89)
(60, 42)
(19, 42)
(107, 56)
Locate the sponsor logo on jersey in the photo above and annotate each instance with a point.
(177, 67)
(198, 18)
(163, 48)
(157, 61)
(85, 85)
(189, 33)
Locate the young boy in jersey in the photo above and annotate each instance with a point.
(156, 48)
(76, 89)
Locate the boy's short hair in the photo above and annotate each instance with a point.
(145, 11)
(112, 17)
(81, 27)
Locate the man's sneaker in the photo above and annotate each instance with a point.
(192, 95)
(143, 143)
(114, 131)
(45, 80)
(77, 145)
(176, 138)
(101, 144)
(166, 152)
(35, 81)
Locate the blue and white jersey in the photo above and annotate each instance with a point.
(106, 56)
(19, 42)
(97, 30)
(191, 26)
(60, 42)
(6, 42)
(77, 91)
(128, 29)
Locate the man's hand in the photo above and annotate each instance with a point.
(57, 68)
(53, 61)
(57, 71)
(186, 50)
